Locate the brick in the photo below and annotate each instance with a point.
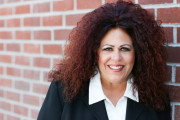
(1, 1)
(5, 106)
(6, 11)
(41, 62)
(61, 34)
(71, 20)
(34, 114)
(178, 74)
(174, 93)
(178, 1)
(178, 35)
(9, 117)
(22, 60)
(31, 48)
(13, 23)
(1, 94)
(151, 11)
(42, 7)
(172, 54)
(32, 100)
(168, 31)
(21, 110)
(177, 111)
(5, 82)
(130, 1)
(1, 23)
(2, 116)
(32, 21)
(13, 47)
(56, 61)
(45, 76)
(154, 1)
(52, 21)
(169, 74)
(64, 5)
(172, 13)
(110, 1)
(1, 70)
(5, 58)
(52, 49)
(13, 96)
(40, 88)
(22, 85)
(31, 74)
(13, 71)
(88, 4)
(23, 35)
(23, 9)
(12, 1)
(42, 35)
(5, 35)
(1, 46)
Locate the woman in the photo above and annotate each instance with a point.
(114, 68)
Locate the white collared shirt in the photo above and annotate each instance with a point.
(117, 112)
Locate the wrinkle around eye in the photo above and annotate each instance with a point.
(125, 49)
(107, 49)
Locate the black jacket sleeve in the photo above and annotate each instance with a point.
(53, 103)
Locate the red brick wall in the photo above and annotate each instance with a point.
(32, 38)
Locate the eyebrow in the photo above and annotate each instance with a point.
(120, 46)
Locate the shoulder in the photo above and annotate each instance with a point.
(142, 112)
(56, 87)
(160, 115)
(53, 104)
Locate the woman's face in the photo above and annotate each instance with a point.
(116, 56)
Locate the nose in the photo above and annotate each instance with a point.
(116, 55)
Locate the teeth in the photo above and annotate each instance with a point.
(115, 67)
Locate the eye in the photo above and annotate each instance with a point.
(108, 49)
(125, 49)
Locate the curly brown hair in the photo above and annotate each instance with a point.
(80, 59)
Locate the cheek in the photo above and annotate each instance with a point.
(102, 59)
(131, 58)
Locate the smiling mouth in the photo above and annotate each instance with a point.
(116, 67)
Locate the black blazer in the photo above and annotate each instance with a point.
(54, 108)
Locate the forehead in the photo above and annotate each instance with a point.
(116, 36)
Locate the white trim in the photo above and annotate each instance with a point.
(174, 44)
(175, 103)
(164, 5)
(155, 13)
(175, 1)
(173, 64)
(36, 28)
(173, 111)
(103, 2)
(173, 74)
(75, 5)
(173, 84)
(174, 34)
(46, 14)
(136, 1)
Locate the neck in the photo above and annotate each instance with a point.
(114, 91)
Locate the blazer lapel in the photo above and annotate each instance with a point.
(133, 109)
(98, 109)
